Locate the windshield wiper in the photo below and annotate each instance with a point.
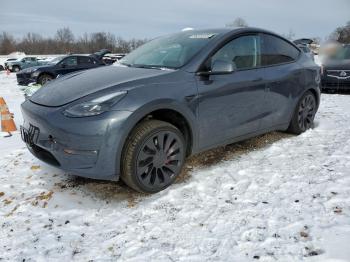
(152, 67)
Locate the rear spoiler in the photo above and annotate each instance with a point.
(100, 54)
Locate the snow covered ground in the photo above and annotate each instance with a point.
(276, 197)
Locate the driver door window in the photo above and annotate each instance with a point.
(242, 52)
(70, 61)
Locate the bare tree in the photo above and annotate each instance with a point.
(238, 22)
(7, 43)
(64, 41)
(32, 43)
(64, 38)
(341, 34)
(83, 44)
(123, 45)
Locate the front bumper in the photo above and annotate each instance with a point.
(25, 78)
(332, 81)
(85, 147)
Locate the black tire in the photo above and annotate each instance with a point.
(44, 78)
(153, 156)
(304, 114)
(16, 69)
(1, 68)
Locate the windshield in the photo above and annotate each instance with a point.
(172, 51)
(56, 60)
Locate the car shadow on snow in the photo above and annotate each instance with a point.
(110, 191)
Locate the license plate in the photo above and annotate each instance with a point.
(30, 136)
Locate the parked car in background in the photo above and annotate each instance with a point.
(174, 96)
(307, 51)
(303, 41)
(25, 62)
(112, 58)
(309, 43)
(335, 70)
(60, 66)
(7, 61)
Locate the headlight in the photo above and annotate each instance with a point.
(30, 70)
(96, 106)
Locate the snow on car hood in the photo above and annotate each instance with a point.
(74, 86)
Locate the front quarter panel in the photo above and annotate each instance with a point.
(167, 93)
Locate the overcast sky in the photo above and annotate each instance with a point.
(150, 18)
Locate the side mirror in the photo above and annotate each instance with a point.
(220, 67)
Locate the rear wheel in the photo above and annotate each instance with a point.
(16, 68)
(304, 114)
(45, 78)
(153, 156)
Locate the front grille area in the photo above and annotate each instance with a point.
(336, 84)
(338, 73)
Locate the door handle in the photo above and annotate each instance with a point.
(190, 98)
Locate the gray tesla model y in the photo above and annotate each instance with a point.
(175, 96)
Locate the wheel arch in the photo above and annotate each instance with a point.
(165, 110)
(313, 90)
(171, 112)
(45, 73)
(17, 65)
(316, 94)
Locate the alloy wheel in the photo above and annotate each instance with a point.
(160, 159)
(45, 80)
(306, 112)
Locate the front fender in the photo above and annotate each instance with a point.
(135, 117)
(169, 104)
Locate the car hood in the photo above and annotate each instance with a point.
(42, 67)
(13, 62)
(77, 85)
(337, 65)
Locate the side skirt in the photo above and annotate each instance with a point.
(281, 127)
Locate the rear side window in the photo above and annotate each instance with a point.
(84, 60)
(277, 51)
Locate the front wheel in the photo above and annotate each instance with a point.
(16, 68)
(304, 114)
(153, 156)
(43, 79)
